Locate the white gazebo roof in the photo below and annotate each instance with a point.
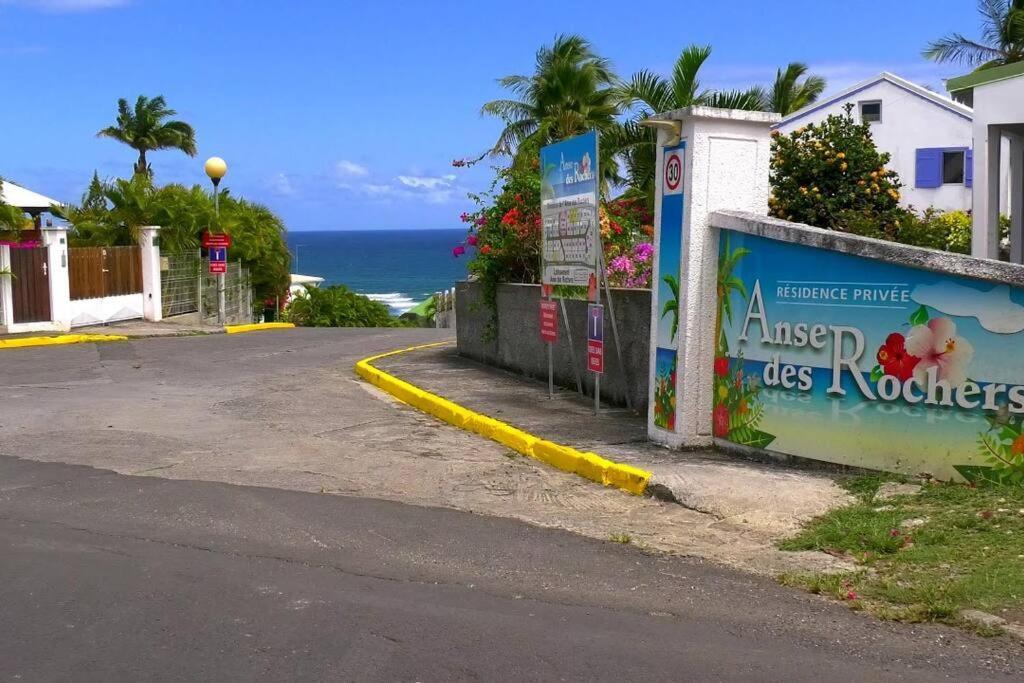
(26, 199)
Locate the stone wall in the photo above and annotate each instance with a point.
(518, 346)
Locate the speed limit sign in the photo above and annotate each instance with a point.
(673, 171)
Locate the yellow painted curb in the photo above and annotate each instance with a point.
(588, 465)
(24, 342)
(238, 329)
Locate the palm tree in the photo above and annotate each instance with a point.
(672, 305)
(12, 219)
(788, 94)
(648, 93)
(571, 91)
(145, 128)
(1002, 38)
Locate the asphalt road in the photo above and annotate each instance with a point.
(107, 576)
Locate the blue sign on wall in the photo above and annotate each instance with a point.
(867, 363)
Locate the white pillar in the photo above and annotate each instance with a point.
(725, 166)
(1016, 199)
(56, 238)
(152, 303)
(6, 295)
(985, 201)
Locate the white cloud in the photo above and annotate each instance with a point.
(350, 169)
(281, 184)
(426, 182)
(67, 5)
(993, 309)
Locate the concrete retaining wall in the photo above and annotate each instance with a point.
(518, 346)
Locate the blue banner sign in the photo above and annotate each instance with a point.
(570, 229)
(861, 362)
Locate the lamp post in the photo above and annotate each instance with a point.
(216, 168)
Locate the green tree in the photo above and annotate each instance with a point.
(12, 219)
(337, 306)
(647, 94)
(147, 128)
(1002, 38)
(789, 94)
(831, 175)
(571, 91)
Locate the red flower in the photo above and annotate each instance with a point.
(895, 360)
(721, 421)
(722, 366)
(458, 251)
(471, 240)
(486, 249)
(511, 217)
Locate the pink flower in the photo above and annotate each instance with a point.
(938, 346)
(481, 221)
(643, 251)
(458, 251)
(464, 217)
(471, 240)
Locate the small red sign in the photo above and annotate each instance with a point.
(595, 356)
(549, 321)
(219, 240)
(218, 266)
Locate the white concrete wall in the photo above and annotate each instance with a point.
(996, 104)
(725, 166)
(909, 122)
(106, 310)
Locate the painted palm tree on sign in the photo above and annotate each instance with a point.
(789, 94)
(647, 93)
(672, 305)
(146, 128)
(1002, 38)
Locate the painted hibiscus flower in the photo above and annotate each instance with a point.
(721, 366)
(937, 345)
(720, 417)
(895, 360)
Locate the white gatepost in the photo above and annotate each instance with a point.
(6, 294)
(724, 155)
(149, 247)
(56, 239)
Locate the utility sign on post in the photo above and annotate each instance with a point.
(549, 321)
(218, 259)
(595, 338)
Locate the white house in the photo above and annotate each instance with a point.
(997, 96)
(929, 137)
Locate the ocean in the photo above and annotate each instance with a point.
(399, 268)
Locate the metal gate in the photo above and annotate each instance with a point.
(30, 285)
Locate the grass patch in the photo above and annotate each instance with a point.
(620, 538)
(922, 557)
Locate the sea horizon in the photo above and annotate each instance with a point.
(399, 272)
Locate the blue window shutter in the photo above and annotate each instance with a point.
(969, 168)
(928, 169)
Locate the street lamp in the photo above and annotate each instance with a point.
(217, 168)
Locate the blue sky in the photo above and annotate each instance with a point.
(346, 115)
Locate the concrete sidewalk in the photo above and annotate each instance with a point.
(769, 497)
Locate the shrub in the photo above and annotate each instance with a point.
(337, 306)
(831, 175)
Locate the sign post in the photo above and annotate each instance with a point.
(549, 334)
(217, 245)
(570, 237)
(595, 349)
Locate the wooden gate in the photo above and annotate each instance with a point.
(98, 272)
(30, 285)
